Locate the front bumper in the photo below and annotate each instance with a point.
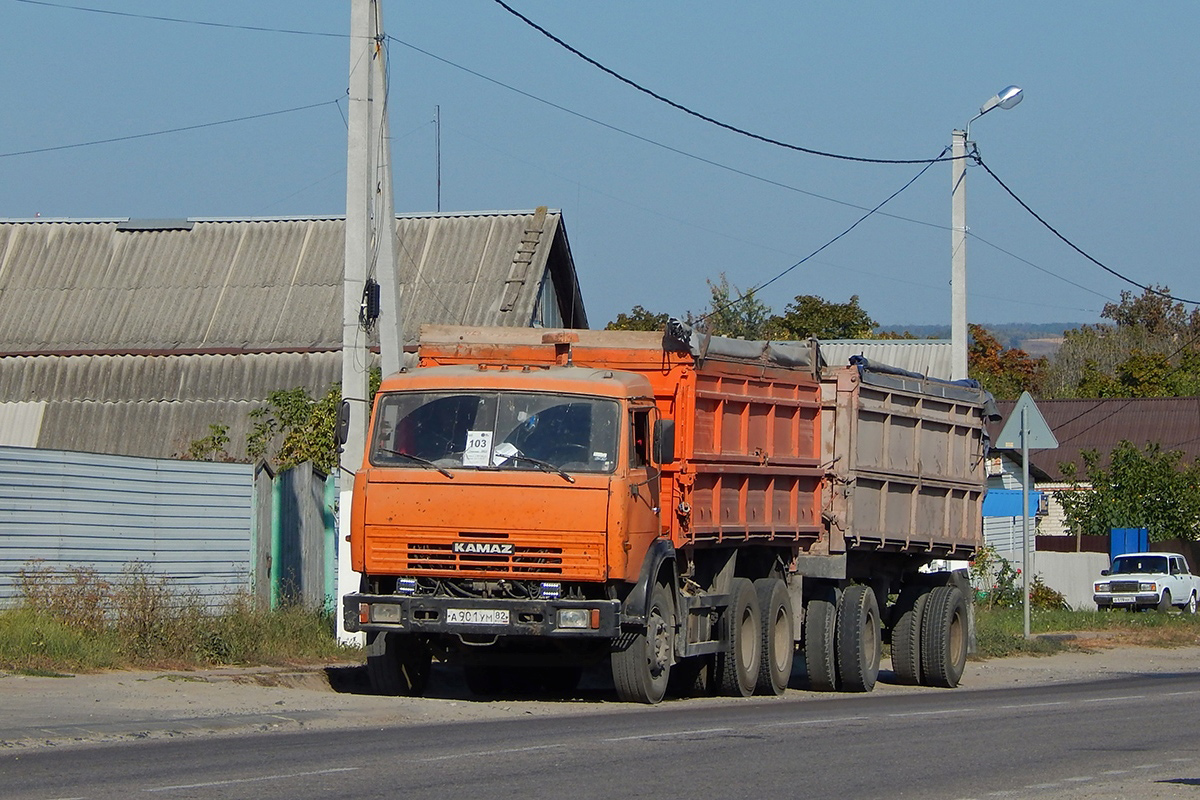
(1126, 600)
(431, 615)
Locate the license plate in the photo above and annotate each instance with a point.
(1119, 599)
(477, 616)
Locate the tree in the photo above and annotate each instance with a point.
(811, 316)
(1149, 350)
(211, 447)
(1145, 488)
(294, 427)
(1005, 372)
(638, 319)
(732, 314)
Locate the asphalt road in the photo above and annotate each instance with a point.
(1132, 737)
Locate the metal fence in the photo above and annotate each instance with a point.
(188, 521)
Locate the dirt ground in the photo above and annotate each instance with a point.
(61, 711)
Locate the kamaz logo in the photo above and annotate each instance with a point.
(484, 548)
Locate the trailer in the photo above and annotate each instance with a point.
(689, 508)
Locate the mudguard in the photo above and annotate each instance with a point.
(633, 609)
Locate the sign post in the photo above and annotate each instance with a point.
(1026, 425)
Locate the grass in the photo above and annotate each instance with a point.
(75, 621)
(1000, 631)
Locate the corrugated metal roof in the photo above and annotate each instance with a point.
(1099, 424)
(151, 406)
(135, 341)
(254, 285)
(929, 357)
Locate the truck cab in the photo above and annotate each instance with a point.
(500, 500)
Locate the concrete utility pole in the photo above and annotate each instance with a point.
(959, 142)
(370, 243)
(958, 256)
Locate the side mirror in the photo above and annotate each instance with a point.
(1104, 572)
(664, 441)
(343, 422)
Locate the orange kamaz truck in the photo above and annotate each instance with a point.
(691, 509)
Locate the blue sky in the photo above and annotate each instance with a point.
(1099, 146)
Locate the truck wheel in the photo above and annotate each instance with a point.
(778, 641)
(1164, 603)
(944, 638)
(738, 663)
(398, 664)
(858, 639)
(906, 634)
(820, 629)
(1190, 606)
(641, 662)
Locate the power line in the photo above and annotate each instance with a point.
(1027, 262)
(168, 130)
(928, 163)
(656, 143)
(705, 117)
(183, 21)
(1074, 246)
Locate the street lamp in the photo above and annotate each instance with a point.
(1006, 98)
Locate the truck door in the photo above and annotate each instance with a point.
(642, 523)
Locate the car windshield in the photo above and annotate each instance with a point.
(1139, 565)
(495, 430)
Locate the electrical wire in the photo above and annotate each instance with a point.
(1074, 246)
(750, 293)
(167, 131)
(656, 143)
(183, 21)
(705, 117)
(1027, 262)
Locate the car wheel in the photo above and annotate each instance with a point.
(1164, 603)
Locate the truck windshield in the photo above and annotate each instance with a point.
(495, 430)
(1139, 565)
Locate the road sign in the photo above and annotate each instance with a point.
(1038, 435)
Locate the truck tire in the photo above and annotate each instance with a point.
(778, 640)
(398, 664)
(820, 633)
(1164, 602)
(1190, 606)
(906, 634)
(858, 639)
(641, 661)
(741, 654)
(944, 638)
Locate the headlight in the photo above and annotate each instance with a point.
(1150, 586)
(385, 612)
(1101, 588)
(574, 618)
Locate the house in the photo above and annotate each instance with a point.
(132, 337)
(1079, 425)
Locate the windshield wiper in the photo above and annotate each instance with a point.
(423, 461)
(545, 466)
